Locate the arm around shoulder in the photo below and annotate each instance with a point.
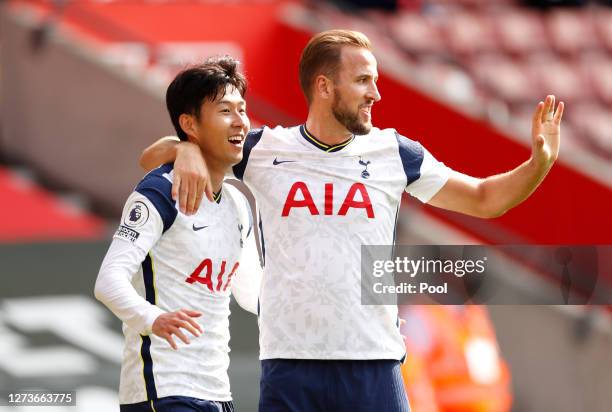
(161, 152)
(191, 180)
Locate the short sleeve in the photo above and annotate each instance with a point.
(425, 175)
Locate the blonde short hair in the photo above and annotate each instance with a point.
(322, 55)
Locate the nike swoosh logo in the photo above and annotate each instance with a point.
(196, 228)
(276, 162)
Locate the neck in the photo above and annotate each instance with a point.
(322, 124)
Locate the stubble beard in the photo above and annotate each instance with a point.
(349, 119)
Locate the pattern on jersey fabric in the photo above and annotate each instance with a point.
(252, 138)
(318, 209)
(145, 349)
(158, 189)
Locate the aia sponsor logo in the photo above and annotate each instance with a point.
(357, 197)
(203, 274)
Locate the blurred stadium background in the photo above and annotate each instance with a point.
(82, 86)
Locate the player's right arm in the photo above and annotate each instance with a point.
(161, 152)
(433, 183)
(191, 180)
(495, 195)
(141, 227)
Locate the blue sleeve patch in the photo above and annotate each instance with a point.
(412, 154)
(251, 140)
(158, 190)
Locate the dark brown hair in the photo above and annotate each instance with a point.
(208, 80)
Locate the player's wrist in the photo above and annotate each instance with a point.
(182, 147)
(189, 151)
(153, 316)
(541, 163)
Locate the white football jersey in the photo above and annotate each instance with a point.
(318, 205)
(173, 262)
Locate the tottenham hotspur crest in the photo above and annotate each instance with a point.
(365, 174)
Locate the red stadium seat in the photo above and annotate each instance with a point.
(604, 26)
(451, 83)
(521, 31)
(504, 78)
(371, 25)
(560, 77)
(416, 34)
(598, 69)
(595, 123)
(572, 31)
(469, 32)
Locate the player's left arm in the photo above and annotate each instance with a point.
(493, 196)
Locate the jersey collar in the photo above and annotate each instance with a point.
(323, 146)
(217, 196)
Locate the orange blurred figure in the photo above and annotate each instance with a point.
(453, 362)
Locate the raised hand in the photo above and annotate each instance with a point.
(546, 131)
(169, 324)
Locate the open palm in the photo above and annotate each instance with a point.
(546, 131)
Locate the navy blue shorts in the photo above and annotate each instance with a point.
(302, 385)
(178, 404)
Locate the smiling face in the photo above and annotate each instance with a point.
(220, 128)
(355, 90)
(206, 106)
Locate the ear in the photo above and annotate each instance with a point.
(188, 124)
(323, 87)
